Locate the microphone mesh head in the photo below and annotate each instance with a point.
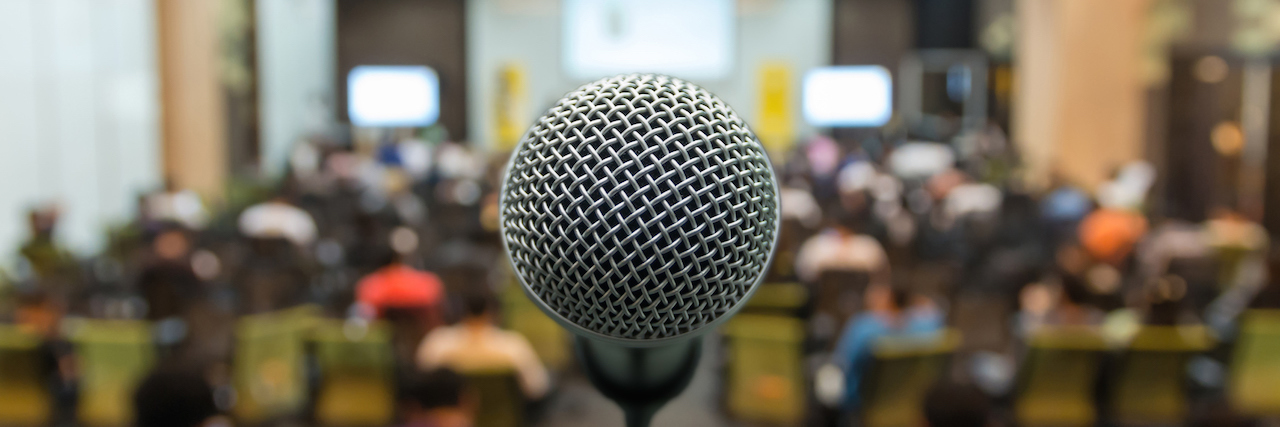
(639, 208)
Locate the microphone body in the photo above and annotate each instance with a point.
(639, 212)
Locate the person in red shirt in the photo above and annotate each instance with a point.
(397, 285)
(411, 300)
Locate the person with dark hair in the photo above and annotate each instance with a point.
(890, 312)
(168, 282)
(475, 344)
(956, 405)
(437, 399)
(172, 398)
(1075, 306)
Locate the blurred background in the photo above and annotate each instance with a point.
(284, 212)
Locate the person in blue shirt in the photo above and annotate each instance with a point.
(890, 312)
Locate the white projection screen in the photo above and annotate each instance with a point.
(393, 95)
(848, 96)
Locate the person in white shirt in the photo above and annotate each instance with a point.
(840, 247)
(278, 218)
(475, 344)
(177, 205)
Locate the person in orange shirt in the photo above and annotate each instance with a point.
(1109, 235)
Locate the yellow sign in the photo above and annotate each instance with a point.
(774, 125)
(510, 119)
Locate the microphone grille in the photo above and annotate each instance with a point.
(639, 208)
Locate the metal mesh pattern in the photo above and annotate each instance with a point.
(640, 207)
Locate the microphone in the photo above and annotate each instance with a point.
(639, 212)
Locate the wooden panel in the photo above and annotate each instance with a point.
(407, 32)
(194, 130)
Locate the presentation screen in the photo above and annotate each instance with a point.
(393, 96)
(848, 96)
(690, 39)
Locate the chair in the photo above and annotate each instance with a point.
(114, 356)
(1253, 389)
(25, 399)
(777, 298)
(356, 364)
(901, 372)
(501, 399)
(765, 381)
(1150, 386)
(1058, 377)
(268, 371)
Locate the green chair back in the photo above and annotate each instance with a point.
(777, 298)
(114, 356)
(765, 379)
(902, 370)
(1057, 380)
(1150, 386)
(24, 397)
(1254, 385)
(268, 370)
(501, 399)
(356, 365)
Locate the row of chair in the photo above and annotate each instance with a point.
(353, 383)
(1057, 383)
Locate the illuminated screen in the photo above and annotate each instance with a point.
(684, 38)
(852, 96)
(393, 95)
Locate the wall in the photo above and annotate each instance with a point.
(78, 114)
(500, 32)
(295, 74)
(1079, 105)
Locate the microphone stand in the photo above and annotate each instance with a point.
(640, 380)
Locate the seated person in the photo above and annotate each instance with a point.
(889, 313)
(399, 285)
(1075, 306)
(475, 344)
(175, 399)
(175, 204)
(412, 301)
(278, 218)
(841, 247)
(168, 283)
(437, 399)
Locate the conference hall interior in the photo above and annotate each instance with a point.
(298, 213)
